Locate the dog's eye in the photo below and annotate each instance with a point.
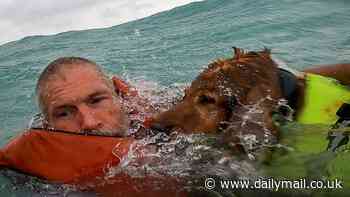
(232, 102)
(205, 99)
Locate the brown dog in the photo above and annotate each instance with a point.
(236, 98)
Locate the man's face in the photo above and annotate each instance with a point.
(79, 99)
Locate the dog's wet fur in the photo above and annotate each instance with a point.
(233, 97)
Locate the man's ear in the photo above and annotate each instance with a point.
(122, 88)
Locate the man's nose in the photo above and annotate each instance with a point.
(89, 120)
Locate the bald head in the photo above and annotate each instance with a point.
(58, 69)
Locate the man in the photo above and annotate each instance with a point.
(75, 95)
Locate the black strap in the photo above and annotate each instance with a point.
(344, 111)
(344, 116)
(289, 87)
(337, 138)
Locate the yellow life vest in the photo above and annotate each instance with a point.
(323, 97)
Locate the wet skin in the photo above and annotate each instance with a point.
(79, 99)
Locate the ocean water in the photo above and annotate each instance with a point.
(172, 47)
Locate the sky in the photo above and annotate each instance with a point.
(21, 18)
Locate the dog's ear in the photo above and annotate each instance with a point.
(254, 76)
(237, 53)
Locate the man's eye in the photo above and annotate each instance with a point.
(97, 100)
(62, 114)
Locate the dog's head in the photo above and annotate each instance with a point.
(240, 93)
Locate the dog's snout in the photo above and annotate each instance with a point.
(160, 128)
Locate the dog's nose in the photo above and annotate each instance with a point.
(160, 128)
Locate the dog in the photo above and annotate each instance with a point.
(237, 99)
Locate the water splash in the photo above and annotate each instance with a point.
(188, 157)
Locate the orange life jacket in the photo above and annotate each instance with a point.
(63, 157)
(83, 161)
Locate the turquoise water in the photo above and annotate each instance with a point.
(173, 46)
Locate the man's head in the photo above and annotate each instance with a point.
(75, 95)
